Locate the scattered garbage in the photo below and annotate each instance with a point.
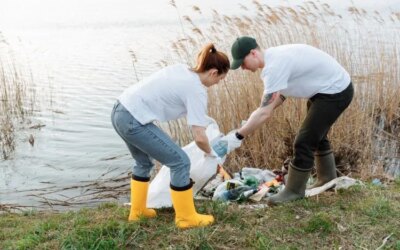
(248, 184)
(264, 183)
(376, 182)
(342, 182)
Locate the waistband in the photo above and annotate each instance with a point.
(348, 88)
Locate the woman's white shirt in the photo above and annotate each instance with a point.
(169, 94)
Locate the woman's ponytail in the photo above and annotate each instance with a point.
(210, 58)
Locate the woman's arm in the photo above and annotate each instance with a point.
(200, 137)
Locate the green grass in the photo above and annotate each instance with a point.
(357, 218)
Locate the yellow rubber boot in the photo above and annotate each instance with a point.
(185, 212)
(139, 187)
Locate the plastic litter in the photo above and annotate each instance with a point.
(243, 187)
(342, 182)
(239, 193)
(232, 189)
(209, 189)
(262, 175)
(262, 192)
(251, 181)
(377, 182)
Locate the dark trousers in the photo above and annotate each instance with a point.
(322, 112)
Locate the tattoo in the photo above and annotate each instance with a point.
(268, 99)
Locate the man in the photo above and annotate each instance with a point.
(299, 71)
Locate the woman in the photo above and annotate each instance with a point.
(166, 95)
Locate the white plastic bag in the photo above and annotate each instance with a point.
(342, 182)
(201, 170)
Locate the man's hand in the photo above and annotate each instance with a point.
(232, 140)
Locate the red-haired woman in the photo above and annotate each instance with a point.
(173, 92)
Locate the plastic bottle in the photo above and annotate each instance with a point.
(246, 194)
(251, 181)
(235, 193)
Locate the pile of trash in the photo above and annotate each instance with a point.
(248, 184)
(253, 185)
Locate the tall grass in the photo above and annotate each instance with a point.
(16, 99)
(364, 44)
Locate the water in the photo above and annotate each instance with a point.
(78, 53)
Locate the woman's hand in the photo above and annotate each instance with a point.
(201, 139)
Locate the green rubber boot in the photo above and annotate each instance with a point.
(326, 168)
(295, 186)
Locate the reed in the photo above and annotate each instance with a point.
(360, 137)
(17, 99)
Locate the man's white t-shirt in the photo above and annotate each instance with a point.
(299, 70)
(171, 93)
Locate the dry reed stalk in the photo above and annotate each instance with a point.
(16, 100)
(373, 65)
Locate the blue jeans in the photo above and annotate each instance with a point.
(149, 141)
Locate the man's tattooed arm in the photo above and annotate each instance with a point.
(268, 99)
(268, 103)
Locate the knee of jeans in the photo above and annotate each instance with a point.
(186, 161)
(145, 165)
(182, 163)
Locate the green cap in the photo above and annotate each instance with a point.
(240, 49)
